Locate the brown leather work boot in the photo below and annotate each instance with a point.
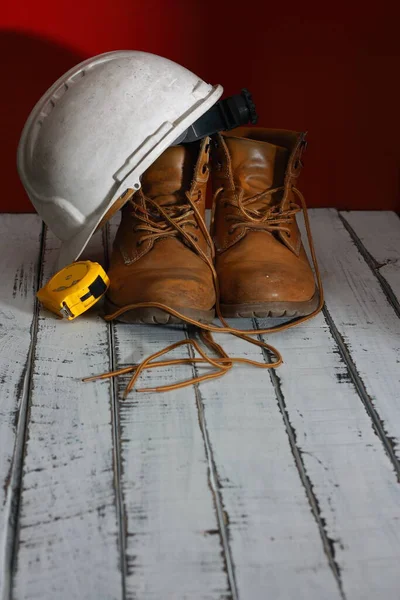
(151, 260)
(262, 268)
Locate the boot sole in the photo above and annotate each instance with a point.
(263, 310)
(156, 316)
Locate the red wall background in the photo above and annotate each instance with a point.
(329, 68)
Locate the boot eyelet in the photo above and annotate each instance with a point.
(204, 169)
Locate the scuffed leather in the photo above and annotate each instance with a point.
(257, 265)
(165, 270)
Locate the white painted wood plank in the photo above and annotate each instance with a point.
(173, 545)
(363, 316)
(351, 475)
(68, 538)
(379, 231)
(19, 256)
(276, 545)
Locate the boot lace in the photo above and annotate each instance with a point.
(267, 218)
(173, 222)
(153, 224)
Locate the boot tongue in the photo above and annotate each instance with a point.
(169, 176)
(257, 166)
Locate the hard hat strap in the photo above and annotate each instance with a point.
(224, 115)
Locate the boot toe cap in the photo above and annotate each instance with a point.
(259, 283)
(185, 289)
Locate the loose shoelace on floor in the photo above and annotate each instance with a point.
(173, 221)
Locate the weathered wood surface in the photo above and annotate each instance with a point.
(276, 545)
(19, 258)
(281, 484)
(68, 535)
(344, 462)
(364, 324)
(379, 233)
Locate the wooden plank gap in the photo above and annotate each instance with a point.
(373, 264)
(13, 501)
(116, 431)
(378, 425)
(213, 481)
(327, 542)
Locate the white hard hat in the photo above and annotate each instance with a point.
(96, 130)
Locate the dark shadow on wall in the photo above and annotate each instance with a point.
(29, 66)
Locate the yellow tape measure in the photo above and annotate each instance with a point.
(74, 289)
